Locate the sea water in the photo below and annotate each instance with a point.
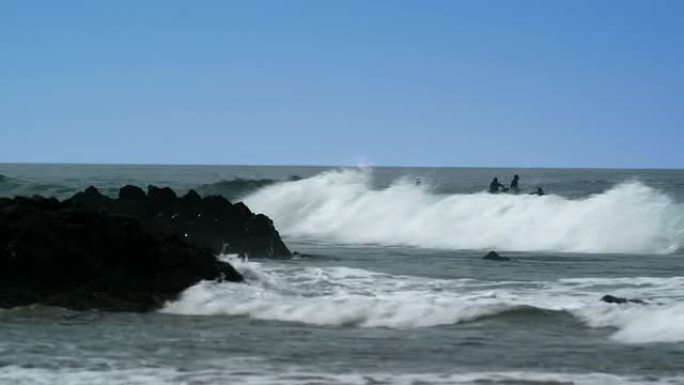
(390, 287)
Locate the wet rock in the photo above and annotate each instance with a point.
(132, 193)
(161, 197)
(192, 197)
(620, 300)
(212, 222)
(92, 199)
(62, 254)
(261, 237)
(494, 256)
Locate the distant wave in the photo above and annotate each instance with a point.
(342, 296)
(10, 187)
(236, 188)
(5, 180)
(342, 206)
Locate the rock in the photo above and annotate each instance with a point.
(262, 238)
(56, 253)
(212, 222)
(192, 197)
(162, 197)
(132, 193)
(620, 300)
(494, 256)
(92, 199)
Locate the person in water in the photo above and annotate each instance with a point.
(539, 192)
(495, 185)
(514, 183)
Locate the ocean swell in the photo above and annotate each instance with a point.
(342, 206)
(234, 188)
(11, 187)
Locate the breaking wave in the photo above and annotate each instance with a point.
(342, 206)
(342, 296)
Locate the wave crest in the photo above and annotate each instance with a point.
(342, 206)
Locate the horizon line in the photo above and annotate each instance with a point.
(329, 166)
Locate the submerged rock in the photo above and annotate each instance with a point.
(211, 222)
(64, 254)
(620, 300)
(494, 256)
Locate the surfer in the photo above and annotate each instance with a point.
(514, 183)
(539, 192)
(495, 185)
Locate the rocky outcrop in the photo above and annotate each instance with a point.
(79, 254)
(211, 222)
(494, 256)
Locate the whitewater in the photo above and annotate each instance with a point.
(343, 206)
(388, 285)
(342, 296)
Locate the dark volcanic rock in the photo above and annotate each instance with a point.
(211, 222)
(65, 255)
(132, 193)
(494, 256)
(620, 300)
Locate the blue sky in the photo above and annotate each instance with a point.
(343, 82)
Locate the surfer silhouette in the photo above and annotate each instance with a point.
(539, 192)
(495, 185)
(514, 183)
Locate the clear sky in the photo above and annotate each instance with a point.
(341, 82)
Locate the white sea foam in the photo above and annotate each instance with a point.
(342, 206)
(665, 324)
(342, 296)
(258, 372)
(331, 296)
(299, 376)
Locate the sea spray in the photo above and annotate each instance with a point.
(662, 324)
(342, 206)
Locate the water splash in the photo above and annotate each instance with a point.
(342, 206)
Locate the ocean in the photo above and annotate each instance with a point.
(390, 286)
